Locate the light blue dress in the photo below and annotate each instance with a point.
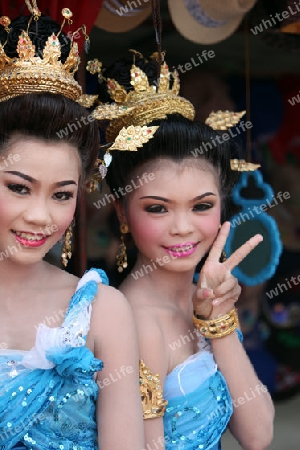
(199, 404)
(48, 394)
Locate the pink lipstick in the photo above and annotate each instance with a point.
(27, 239)
(182, 250)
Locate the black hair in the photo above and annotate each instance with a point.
(50, 117)
(39, 31)
(177, 138)
(46, 116)
(120, 71)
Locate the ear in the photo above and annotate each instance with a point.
(120, 210)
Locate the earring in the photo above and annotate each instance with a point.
(121, 256)
(67, 248)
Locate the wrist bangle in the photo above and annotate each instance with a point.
(217, 328)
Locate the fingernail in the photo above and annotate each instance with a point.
(207, 293)
(215, 302)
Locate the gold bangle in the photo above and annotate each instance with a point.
(217, 328)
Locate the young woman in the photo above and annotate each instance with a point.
(66, 379)
(174, 218)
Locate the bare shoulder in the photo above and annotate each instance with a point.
(110, 301)
(111, 312)
(59, 278)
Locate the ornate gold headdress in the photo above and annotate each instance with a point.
(144, 103)
(131, 111)
(29, 73)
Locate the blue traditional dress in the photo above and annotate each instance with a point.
(48, 394)
(199, 404)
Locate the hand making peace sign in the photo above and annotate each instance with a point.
(217, 289)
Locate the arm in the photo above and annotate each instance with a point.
(253, 411)
(217, 292)
(119, 411)
(152, 351)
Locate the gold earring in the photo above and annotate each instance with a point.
(67, 248)
(121, 256)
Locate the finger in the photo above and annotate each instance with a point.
(230, 295)
(242, 252)
(219, 243)
(204, 294)
(226, 286)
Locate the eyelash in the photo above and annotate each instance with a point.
(18, 188)
(203, 206)
(157, 209)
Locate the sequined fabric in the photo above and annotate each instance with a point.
(48, 394)
(199, 403)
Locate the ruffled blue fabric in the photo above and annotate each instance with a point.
(197, 420)
(52, 408)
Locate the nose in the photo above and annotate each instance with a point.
(38, 212)
(182, 224)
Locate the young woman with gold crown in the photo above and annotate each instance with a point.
(171, 177)
(66, 379)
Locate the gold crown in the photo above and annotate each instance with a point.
(144, 103)
(28, 73)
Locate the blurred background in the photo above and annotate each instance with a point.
(235, 55)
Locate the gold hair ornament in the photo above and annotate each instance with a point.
(28, 73)
(153, 403)
(222, 120)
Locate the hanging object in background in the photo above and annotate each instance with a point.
(255, 197)
(119, 16)
(208, 21)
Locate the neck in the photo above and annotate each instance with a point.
(165, 285)
(20, 276)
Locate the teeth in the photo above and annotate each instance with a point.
(29, 236)
(181, 249)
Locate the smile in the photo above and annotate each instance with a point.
(29, 239)
(182, 249)
(29, 236)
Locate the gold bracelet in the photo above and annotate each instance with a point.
(217, 328)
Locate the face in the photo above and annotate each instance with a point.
(38, 190)
(174, 219)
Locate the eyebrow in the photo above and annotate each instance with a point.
(33, 180)
(163, 199)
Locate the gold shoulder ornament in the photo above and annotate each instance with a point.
(154, 405)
